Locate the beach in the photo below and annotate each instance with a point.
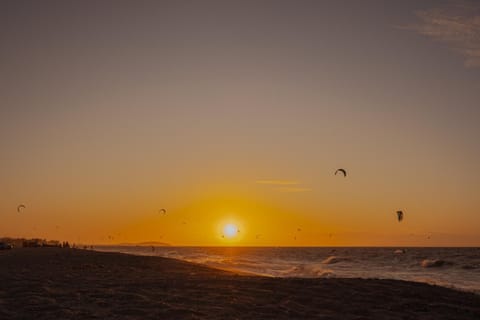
(61, 283)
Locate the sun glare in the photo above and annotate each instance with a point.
(230, 230)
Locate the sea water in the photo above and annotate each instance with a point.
(457, 268)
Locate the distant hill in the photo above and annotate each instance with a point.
(147, 243)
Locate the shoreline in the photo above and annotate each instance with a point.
(254, 274)
(434, 263)
(78, 284)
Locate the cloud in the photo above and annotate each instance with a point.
(457, 25)
(278, 182)
(294, 189)
(289, 186)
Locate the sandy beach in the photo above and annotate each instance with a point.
(56, 283)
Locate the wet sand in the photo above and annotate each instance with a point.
(56, 283)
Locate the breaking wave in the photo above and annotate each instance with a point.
(308, 271)
(434, 263)
(336, 259)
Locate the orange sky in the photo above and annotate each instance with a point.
(240, 113)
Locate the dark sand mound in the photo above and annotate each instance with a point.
(55, 283)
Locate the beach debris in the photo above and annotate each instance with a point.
(162, 211)
(342, 171)
(400, 215)
(20, 208)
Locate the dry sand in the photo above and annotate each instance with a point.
(56, 283)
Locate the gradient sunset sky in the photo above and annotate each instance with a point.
(240, 112)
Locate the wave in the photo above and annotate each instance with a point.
(308, 271)
(434, 263)
(334, 259)
(470, 267)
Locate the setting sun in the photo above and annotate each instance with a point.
(230, 230)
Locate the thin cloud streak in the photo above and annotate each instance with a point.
(278, 182)
(294, 190)
(457, 25)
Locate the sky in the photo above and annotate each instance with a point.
(239, 112)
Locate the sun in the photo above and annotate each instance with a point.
(230, 230)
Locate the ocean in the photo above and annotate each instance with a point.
(457, 268)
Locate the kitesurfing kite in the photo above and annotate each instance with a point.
(162, 211)
(400, 215)
(341, 171)
(20, 207)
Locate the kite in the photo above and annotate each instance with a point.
(399, 215)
